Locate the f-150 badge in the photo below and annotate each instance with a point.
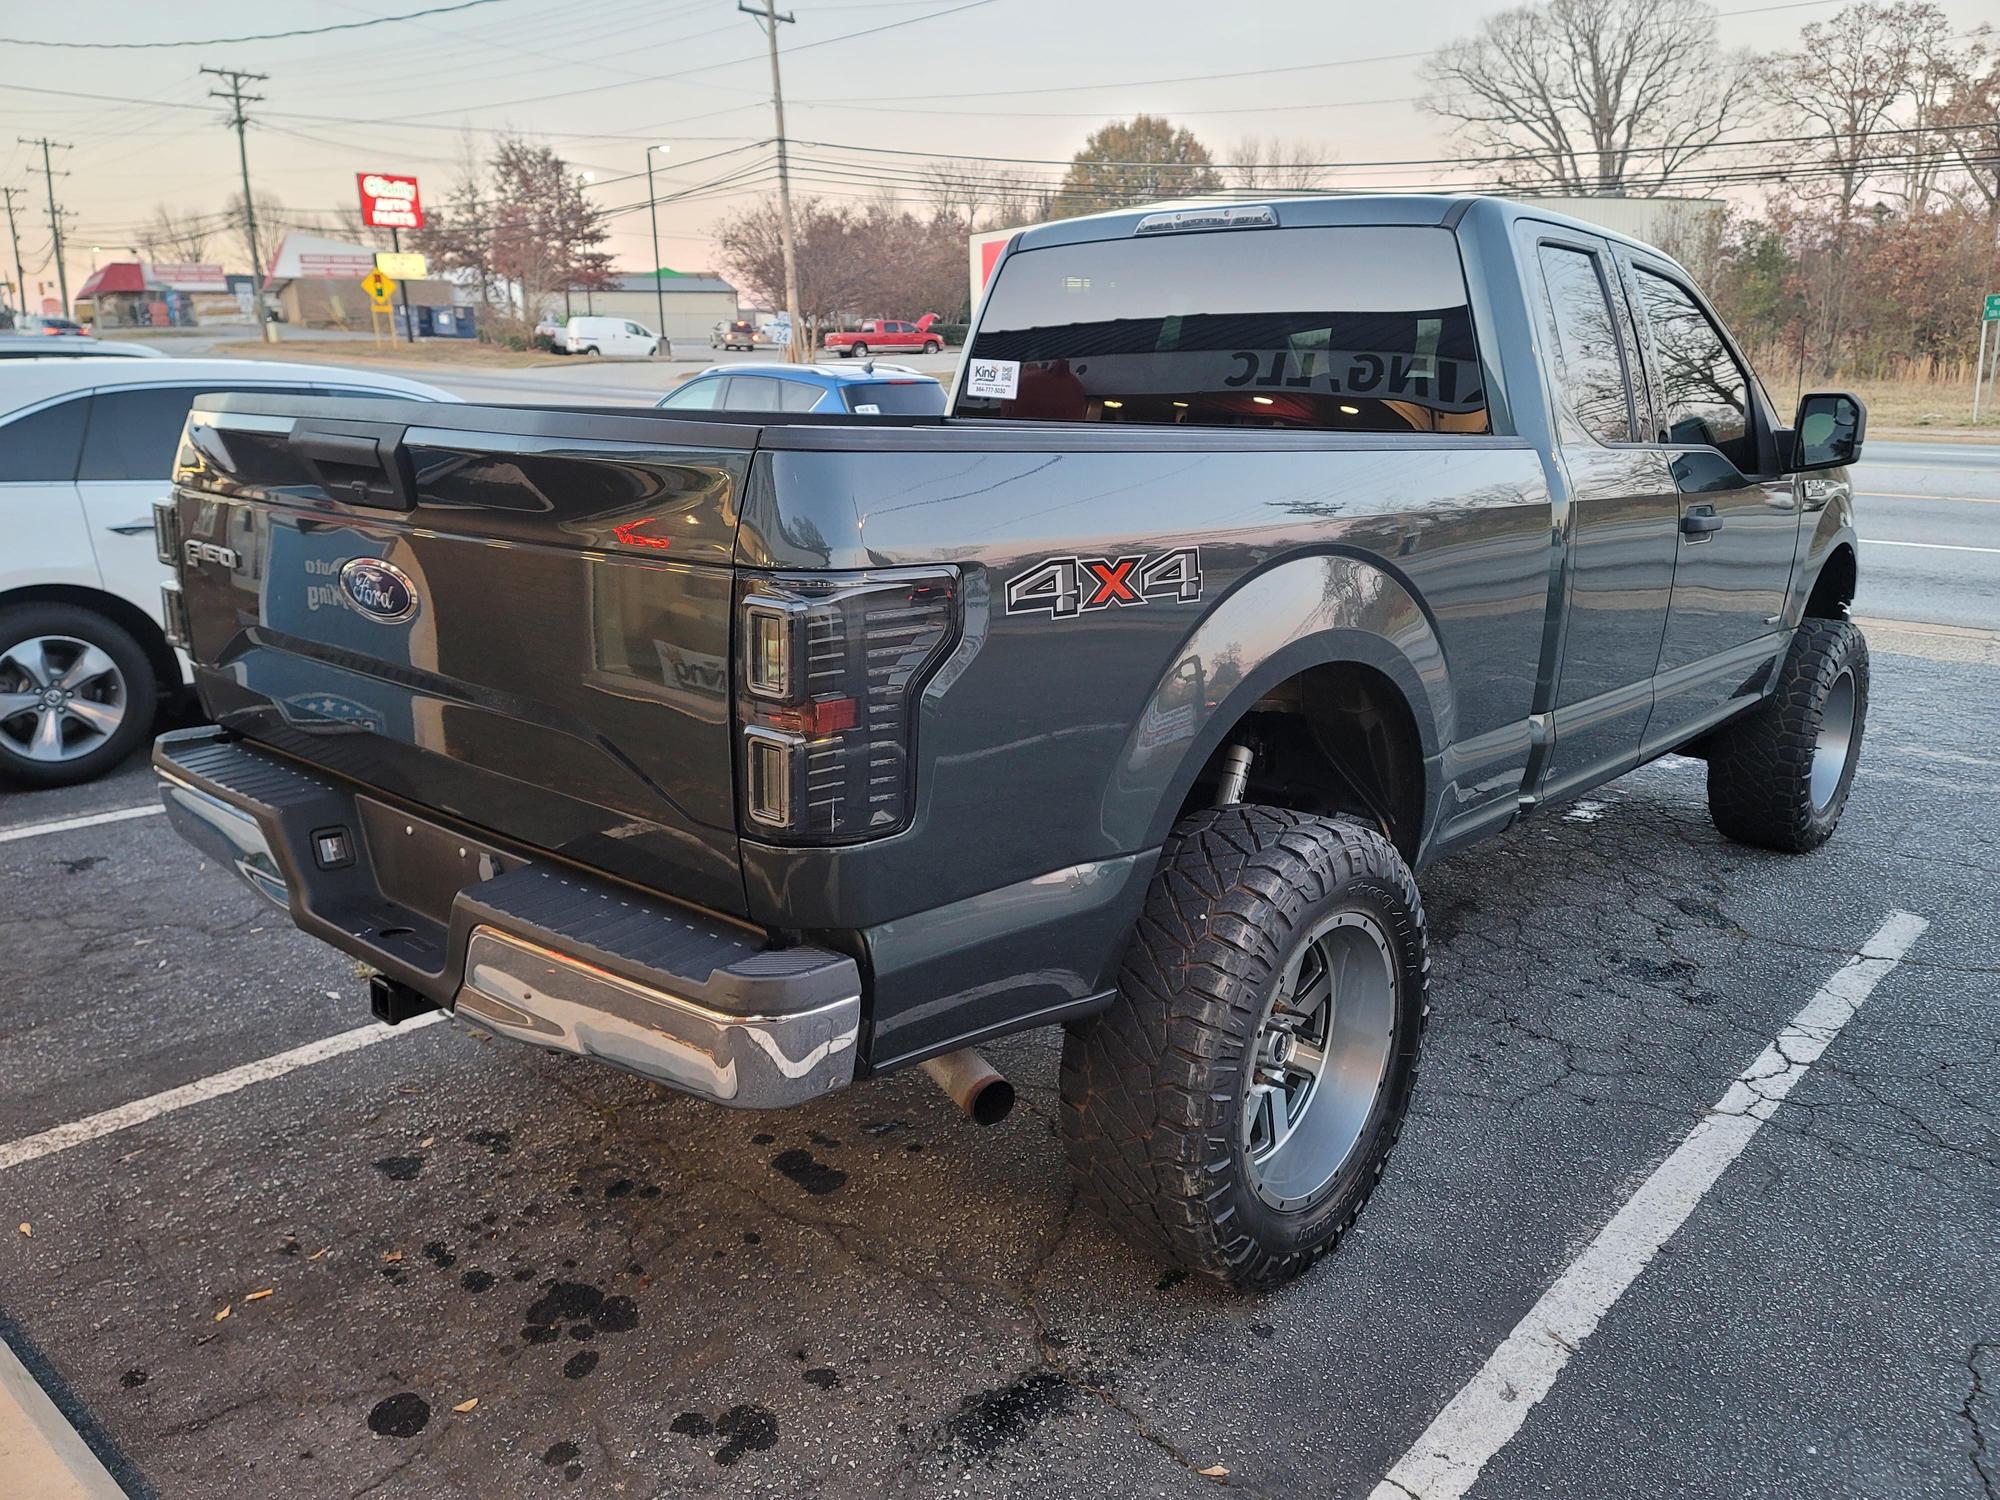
(1065, 586)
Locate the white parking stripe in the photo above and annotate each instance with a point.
(64, 825)
(1484, 1416)
(139, 1111)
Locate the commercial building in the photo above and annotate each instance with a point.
(316, 282)
(694, 302)
(141, 294)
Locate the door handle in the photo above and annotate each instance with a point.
(132, 528)
(1700, 522)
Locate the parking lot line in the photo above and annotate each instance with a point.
(139, 1111)
(64, 825)
(1484, 1416)
(1876, 541)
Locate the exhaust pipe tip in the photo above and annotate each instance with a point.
(973, 1084)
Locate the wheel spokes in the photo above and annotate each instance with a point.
(47, 743)
(103, 718)
(18, 703)
(90, 664)
(31, 660)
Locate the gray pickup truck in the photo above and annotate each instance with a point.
(1266, 554)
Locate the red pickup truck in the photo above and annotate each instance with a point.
(876, 334)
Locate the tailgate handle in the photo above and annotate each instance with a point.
(357, 467)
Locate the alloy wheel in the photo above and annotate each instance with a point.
(60, 698)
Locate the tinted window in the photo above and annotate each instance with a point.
(133, 434)
(754, 393)
(1705, 397)
(1359, 329)
(1592, 378)
(796, 395)
(696, 395)
(910, 398)
(42, 447)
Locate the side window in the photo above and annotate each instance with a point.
(696, 395)
(133, 433)
(755, 393)
(796, 395)
(1705, 395)
(1593, 375)
(42, 447)
(635, 328)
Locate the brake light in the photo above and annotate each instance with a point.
(829, 666)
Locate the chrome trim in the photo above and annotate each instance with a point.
(224, 833)
(518, 989)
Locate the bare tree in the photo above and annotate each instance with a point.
(1589, 96)
(1972, 110)
(1277, 166)
(175, 237)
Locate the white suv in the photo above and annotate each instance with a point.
(86, 447)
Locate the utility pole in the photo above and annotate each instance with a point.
(653, 211)
(14, 234)
(768, 13)
(49, 176)
(237, 99)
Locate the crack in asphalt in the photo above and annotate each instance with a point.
(1989, 1481)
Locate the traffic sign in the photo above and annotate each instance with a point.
(378, 287)
(406, 264)
(1991, 312)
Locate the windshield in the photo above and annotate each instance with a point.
(909, 398)
(1354, 329)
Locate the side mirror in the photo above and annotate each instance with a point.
(1827, 432)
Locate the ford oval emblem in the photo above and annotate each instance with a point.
(382, 591)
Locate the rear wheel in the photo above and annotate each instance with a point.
(859, 351)
(591, 349)
(1779, 777)
(77, 694)
(1234, 1108)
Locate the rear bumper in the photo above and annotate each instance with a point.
(516, 946)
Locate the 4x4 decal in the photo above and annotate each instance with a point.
(1066, 586)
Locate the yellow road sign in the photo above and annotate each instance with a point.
(407, 264)
(379, 287)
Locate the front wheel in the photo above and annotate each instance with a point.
(1234, 1108)
(931, 346)
(1779, 777)
(77, 694)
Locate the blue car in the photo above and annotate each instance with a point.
(870, 388)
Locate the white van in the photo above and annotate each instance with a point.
(609, 336)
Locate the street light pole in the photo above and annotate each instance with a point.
(653, 212)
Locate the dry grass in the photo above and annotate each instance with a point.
(458, 353)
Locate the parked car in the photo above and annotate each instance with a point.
(86, 450)
(878, 334)
(761, 756)
(774, 387)
(34, 346)
(739, 333)
(50, 327)
(550, 328)
(611, 336)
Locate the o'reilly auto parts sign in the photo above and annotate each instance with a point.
(390, 201)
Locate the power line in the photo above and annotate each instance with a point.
(267, 36)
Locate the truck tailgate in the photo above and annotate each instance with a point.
(519, 618)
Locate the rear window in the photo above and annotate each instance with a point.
(906, 398)
(1348, 329)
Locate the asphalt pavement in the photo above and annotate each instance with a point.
(435, 1266)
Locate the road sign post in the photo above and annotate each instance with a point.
(1989, 313)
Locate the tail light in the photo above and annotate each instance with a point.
(829, 666)
(166, 532)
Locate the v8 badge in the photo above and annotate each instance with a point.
(1066, 586)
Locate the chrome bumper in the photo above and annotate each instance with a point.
(534, 953)
(534, 994)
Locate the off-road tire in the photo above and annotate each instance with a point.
(1154, 1088)
(1760, 766)
(135, 668)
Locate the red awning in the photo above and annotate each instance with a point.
(119, 276)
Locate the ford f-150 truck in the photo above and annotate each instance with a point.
(1266, 554)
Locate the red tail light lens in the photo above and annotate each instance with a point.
(829, 666)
